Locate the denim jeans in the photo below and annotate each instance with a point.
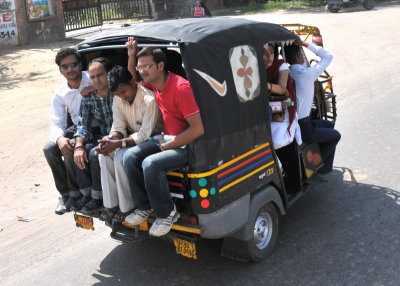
(62, 168)
(89, 179)
(321, 132)
(146, 166)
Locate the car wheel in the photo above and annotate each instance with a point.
(265, 233)
(333, 8)
(368, 4)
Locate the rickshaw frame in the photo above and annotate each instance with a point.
(230, 191)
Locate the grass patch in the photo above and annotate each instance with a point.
(267, 7)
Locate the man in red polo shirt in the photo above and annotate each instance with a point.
(146, 164)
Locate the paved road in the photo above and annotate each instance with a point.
(345, 232)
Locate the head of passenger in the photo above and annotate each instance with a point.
(268, 55)
(294, 54)
(151, 63)
(69, 62)
(122, 84)
(98, 69)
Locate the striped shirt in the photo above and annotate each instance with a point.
(96, 117)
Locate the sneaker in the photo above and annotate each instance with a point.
(162, 226)
(80, 203)
(60, 208)
(70, 202)
(92, 206)
(138, 216)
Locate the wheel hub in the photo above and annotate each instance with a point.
(262, 230)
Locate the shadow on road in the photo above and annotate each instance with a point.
(339, 232)
(12, 77)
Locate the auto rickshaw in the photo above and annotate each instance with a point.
(233, 187)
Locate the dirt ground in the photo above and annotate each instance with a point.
(28, 78)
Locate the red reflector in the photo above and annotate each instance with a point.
(317, 40)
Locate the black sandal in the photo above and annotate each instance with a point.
(108, 214)
(119, 216)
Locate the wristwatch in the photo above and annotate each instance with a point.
(123, 144)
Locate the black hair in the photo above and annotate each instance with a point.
(291, 53)
(117, 76)
(157, 54)
(65, 52)
(104, 61)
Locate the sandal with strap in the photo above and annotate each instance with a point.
(108, 214)
(119, 216)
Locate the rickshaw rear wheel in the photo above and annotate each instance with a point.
(265, 233)
(369, 4)
(333, 8)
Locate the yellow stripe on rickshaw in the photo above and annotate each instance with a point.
(186, 229)
(175, 174)
(145, 227)
(245, 177)
(206, 174)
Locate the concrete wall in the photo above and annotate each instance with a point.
(34, 27)
(25, 22)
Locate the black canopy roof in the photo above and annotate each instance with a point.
(192, 30)
(223, 59)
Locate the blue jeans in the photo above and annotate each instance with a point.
(146, 166)
(321, 132)
(89, 179)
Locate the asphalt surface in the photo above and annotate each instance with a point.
(343, 232)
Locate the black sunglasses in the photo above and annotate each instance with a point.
(71, 65)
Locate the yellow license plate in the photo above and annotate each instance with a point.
(84, 221)
(185, 248)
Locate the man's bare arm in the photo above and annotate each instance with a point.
(131, 44)
(194, 131)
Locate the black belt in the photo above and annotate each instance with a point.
(304, 120)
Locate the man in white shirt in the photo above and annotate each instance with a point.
(135, 118)
(66, 101)
(312, 131)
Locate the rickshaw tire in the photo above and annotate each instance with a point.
(369, 4)
(333, 8)
(259, 249)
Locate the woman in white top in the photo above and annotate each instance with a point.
(286, 131)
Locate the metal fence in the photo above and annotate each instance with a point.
(124, 9)
(80, 14)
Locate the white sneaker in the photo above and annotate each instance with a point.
(162, 226)
(138, 216)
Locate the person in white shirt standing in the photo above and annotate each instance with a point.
(312, 131)
(60, 150)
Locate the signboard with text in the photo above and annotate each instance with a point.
(8, 27)
(7, 5)
(8, 23)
